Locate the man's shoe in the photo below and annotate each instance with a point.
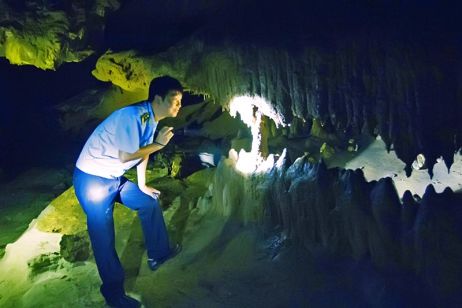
(155, 264)
(123, 301)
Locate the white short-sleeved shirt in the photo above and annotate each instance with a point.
(126, 129)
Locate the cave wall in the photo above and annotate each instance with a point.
(338, 211)
(407, 94)
(387, 68)
(381, 81)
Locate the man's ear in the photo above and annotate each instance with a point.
(157, 99)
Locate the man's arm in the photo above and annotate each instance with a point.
(164, 136)
(141, 175)
(141, 153)
(141, 171)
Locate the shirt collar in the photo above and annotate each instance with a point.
(151, 112)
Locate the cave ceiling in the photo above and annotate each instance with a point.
(388, 68)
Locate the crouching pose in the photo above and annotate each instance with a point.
(123, 140)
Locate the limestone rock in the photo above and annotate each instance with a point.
(386, 212)
(438, 240)
(47, 33)
(38, 41)
(75, 247)
(74, 222)
(124, 69)
(358, 85)
(339, 211)
(82, 112)
(326, 151)
(44, 263)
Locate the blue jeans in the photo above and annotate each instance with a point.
(97, 196)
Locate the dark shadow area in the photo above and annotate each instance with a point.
(29, 126)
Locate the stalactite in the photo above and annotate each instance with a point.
(408, 215)
(386, 211)
(438, 240)
(364, 84)
(339, 211)
(403, 91)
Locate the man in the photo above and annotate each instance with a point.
(120, 142)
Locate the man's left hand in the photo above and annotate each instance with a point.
(150, 191)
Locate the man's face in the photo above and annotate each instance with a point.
(172, 102)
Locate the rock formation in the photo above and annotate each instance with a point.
(48, 33)
(332, 75)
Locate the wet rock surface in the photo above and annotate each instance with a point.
(339, 211)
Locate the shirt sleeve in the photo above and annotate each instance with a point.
(151, 137)
(127, 131)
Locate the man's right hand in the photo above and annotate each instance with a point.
(164, 135)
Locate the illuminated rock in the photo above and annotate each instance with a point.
(47, 34)
(360, 83)
(44, 263)
(326, 151)
(38, 42)
(405, 91)
(125, 70)
(74, 222)
(305, 84)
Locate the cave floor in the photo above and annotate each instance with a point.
(23, 198)
(223, 264)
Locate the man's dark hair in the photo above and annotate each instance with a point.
(162, 85)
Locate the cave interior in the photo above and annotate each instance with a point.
(316, 160)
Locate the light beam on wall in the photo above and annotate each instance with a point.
(251, 109)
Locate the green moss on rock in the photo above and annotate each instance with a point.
(2, 251)
(65, 215)
(75, 247)
(169, 187)
(44, 263)
(326, 151)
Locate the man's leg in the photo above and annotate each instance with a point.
(96, 196)
(152, 220)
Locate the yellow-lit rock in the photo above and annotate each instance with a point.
(39, 41)
(326, 151)
(202, 70)
(43, 36)
(124, 69)
(65, 215)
